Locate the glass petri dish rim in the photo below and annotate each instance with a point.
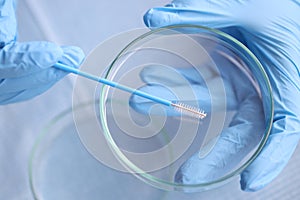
(152, 179)
(38, 141)
(42, 137)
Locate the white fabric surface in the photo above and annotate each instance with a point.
(85, 24)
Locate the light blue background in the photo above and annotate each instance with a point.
(85, 24)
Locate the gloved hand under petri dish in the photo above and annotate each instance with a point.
(198, 67)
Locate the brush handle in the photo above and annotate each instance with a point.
(112, 84)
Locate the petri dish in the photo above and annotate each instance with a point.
(200, 67)
(60, 167)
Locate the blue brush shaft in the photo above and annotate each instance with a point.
(113, 84)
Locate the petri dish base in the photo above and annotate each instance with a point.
(200, 67)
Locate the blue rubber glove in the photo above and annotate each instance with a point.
(271, 30)
(26, 68)
(222, 151)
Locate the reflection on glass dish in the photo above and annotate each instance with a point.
(201, 67)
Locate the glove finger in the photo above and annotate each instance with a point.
(211, 14)
(33, 80)
(188, 86)
(178, 86)
(19, 59)
(223, 70)
(164, 75)
(73, 56)
(234, 143)
(182, 94)
(189, 94)
(8, 28)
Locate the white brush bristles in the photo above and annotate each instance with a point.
(189, 110)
